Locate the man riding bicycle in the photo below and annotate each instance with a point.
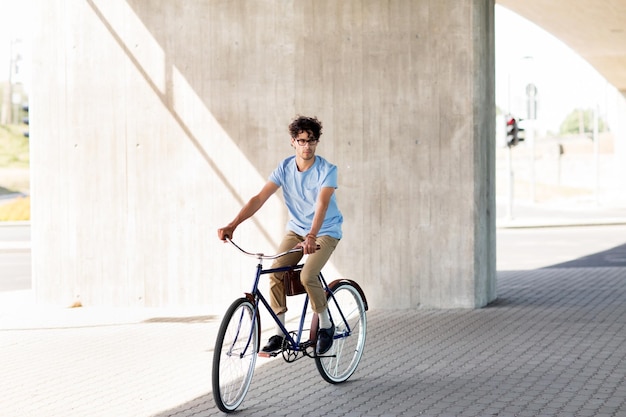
(309, 184)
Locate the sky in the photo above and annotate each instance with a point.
(14, 24)
(524, 54)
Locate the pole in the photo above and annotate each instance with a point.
(596, 154)
(531, 115)
(509, 160)
(9, 96)
(531, 138)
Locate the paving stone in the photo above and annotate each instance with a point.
(554, 343)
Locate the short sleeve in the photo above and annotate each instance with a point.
(277, 175)
(331, 177)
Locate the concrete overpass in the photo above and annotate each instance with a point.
(595, 30)
(153, 121)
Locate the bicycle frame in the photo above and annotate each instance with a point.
(294, 343)
(258, 296)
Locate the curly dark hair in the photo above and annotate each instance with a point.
(306, 124)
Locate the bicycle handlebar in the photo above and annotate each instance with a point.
(263, 256)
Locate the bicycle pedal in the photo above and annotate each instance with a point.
(269, 354)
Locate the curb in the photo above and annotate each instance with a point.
(15, 223)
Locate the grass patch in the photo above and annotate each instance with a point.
(14, 147)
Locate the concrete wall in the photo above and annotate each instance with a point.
(154, 121)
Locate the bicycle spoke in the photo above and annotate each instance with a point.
(347, 348)
(234, 355)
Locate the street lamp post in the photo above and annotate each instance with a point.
(11, 114)
(531, 115)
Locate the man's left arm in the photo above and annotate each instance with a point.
(321, 206)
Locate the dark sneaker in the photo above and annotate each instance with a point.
(324, 340)
(275, 343)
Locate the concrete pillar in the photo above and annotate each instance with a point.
(154, 121)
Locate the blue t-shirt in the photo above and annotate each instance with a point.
(300, 190)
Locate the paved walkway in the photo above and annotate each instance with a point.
(553, 344)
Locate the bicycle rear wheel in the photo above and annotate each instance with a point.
(235, 355)
(340, 362)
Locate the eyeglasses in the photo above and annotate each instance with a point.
(311, 142)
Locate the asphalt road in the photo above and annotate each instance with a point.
(15, 232)
(584, 246)
(517, 249)
(15, 259)
(15, 267)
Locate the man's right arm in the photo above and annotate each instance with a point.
(251, 207)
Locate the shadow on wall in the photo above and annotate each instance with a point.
(184, 95)
(206, 43)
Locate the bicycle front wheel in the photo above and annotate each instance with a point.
(235, 354)
(340, 362)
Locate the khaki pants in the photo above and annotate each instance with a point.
(312, 267)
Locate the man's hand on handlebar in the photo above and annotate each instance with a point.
(225, 232)
(308, 246)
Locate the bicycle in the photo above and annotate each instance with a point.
(237, 344)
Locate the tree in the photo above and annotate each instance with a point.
(580, 122)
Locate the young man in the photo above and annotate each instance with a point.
(309, 184)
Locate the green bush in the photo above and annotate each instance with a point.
(580, 122)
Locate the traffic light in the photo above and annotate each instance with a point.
(520, 131)
(511, 130)
(25, 119)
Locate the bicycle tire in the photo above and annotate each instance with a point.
(232, 368)
(340, 362)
